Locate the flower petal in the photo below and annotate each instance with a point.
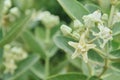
(85, 57)
(75, 54)
(73, 44)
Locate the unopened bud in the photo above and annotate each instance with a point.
(76, 35)
(8, 3)
(15, 11)
(77, 24)
(65, 29)
(105, 17)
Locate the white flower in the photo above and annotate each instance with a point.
(15, 11)
(76, 35)
(47, 19)
(91, 19)
(7, 5)
(10, 66)
(105, 34)
(77, 24)
(81, 48)
(105, 17)
(12, 54)
(116, 18)
(66, 30)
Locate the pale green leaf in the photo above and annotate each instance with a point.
(62, 43)
(116, 29)
(91, 7)
(73, 8)
(34, 44)
(115, 53)
(38, 70)
(69, 76)
(93, 55)
(40, 33)
(94, 78)
(15, 30)
(116, 66)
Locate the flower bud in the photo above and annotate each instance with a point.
(76, 35)
(7, 3)
(15, 11)
(105, 17)
(77, 24)
(66, 30)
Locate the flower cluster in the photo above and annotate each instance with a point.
(93, 24)
(47, 19)
(12, 54)
(10, 14)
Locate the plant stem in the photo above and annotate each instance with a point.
(93, 40)
(104, 68)
(46, 67)
(100, 52)
(111, 15)
(47, 59)
(89, 69)
(47, 35)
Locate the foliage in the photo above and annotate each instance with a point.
(34, 30)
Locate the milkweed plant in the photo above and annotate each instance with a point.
(59, 40)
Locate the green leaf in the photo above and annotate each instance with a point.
(112, 76)
(116, 38)
(73, 8)
(59, 67)
(77, 62)
(40, 33)
(34, 44)
(93, 55)
(1, 49)
(69, 76)
(105, 5)
(114, 45)
(52, 50)
(94, 78)
(1, 8)
(91, 7)
(38, 70)
(23, 67)
(62, 43)
(115, 53)
(15, 30)
(116, 29)
(116, 66)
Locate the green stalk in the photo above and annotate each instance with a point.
(47, 60)
(47, 35)
(111, 16)
(46, 67)
(105, 67)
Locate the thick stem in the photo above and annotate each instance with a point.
(89, 69)
(46, 67)
(105, 67)
(47, 58)
(47, 35)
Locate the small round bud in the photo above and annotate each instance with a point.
(77, 24)
(66, 30)
(105, 17)
(76, 35)
(8, 3)
(15, 11)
